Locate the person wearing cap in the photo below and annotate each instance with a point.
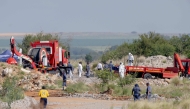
(136, 92)
(43, 96)
(130, 59)
(121, 70)
(148, 91)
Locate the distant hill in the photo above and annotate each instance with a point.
(88, 34)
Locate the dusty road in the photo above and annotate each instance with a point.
(57, 101)
(82, 103)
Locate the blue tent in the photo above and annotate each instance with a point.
(6, 54)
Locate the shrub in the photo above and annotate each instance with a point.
(59, 83)
(84, 68)
(94, 65)
(175, 81)
(164, 61)
(10, 91)
(50, 87)
(129, 79)
(185, 104)
(2, 64)
(106, 75)
(79, 87)
(21, 73)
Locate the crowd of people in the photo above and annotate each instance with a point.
(121, 69)
(100, 66)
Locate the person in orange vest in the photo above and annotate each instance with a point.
(43, 96)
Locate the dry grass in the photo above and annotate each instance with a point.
(184, 104)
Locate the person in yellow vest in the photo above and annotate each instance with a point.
(43, 96)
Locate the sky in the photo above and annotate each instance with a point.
(162, 16)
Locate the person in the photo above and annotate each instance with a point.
(148, 91)
(64, 75)
(130, 59)
(99, 66)
(70, 70)
(136, 92)
(121, 70)
(43, 97)
(110, 66)
(80, 68)
(87, 70)
(105, 65)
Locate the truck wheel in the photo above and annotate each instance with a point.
(147, 76)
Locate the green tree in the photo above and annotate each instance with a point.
(185, 40)
(25, 44)
(177, 43)
(152, 44)
(147, 44)
(181, 44)
(88, 58)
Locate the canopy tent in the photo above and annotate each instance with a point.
(6, 54)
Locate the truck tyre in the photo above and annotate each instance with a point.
(147, 76)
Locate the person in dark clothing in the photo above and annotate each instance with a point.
(148, 91)
(87, 70)
(70, 70)
(106, 66)
(64, 75)
(110, 66)
(136, 92)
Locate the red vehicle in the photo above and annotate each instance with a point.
(43, 55)
(180, 65)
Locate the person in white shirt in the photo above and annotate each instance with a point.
(99, 66)
(130, 59)
(122, 70)
(80, 68)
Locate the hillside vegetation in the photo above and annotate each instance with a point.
(149, 45)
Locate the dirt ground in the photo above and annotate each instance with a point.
(78, 103)
(82, 103)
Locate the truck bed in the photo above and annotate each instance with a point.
(151, 70)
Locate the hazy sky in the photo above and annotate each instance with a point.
(164, 16)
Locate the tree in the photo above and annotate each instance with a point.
(148, 45)
(25, 44)
(181, 44)
(88, 58)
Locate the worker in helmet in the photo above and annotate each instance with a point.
(130, 59)
(121, 70)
